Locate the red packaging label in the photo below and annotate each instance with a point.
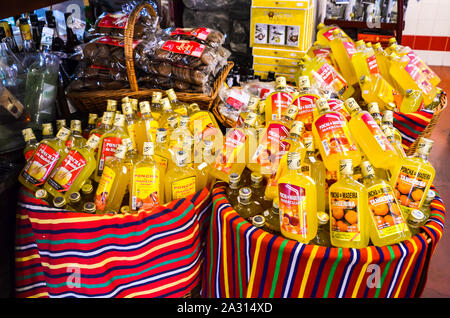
(337, 105)
(271, 146)
(328, 77)
(373, 65)
(306, 105)
(234, 143)
(65, 174)
(263, 93)
(329, 34)
(322, 52)
(292, 205)
(349, 48)
(190, 48)
(108, 149)
(40, 165)
(116, 21)
(28, 154)
(114, 41)
(280, 102)
(199, 33)
(377, 133)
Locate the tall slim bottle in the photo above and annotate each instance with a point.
(278, 101)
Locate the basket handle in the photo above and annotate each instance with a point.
(129, 35)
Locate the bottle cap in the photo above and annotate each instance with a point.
(320, 26)
(258, 220)
(359, 43)
(351, 105)
(253, 104)
(59, 202)
(345, 166)
(93, 141)
(119, 120)
(63, 134)
(367, 169)
(126, 99)
(369, 44)
(75, 125)
(127, 109)
(144, 107)
(323, 217)
(87, 188)
(161, 135)
(47, 129)
(28, 134)
(256, 177)
(293, 160)
(121, 150)
(392, 41)
(377, 45)
(308, 141)
(291, 112)
(156, 97)
(184, 120)
(92, 118)
(125, 209)
(245, 193)
(322, 105)
(373, 108)
(111, 105)
(173, 121)
(41, 194)
(391, 106)
(235, 177)
(336, 32)
(181, 158)
(60, 123)
(165, 103)
(171, 94)
(134, 104)
(280, 82)
(388, 116)
(416, 216)
(74, 197)
(194, 106)
(89, 207)
(304, 82)
(424, 146)
(430, 197)
(250, 119)
(149, 148)
(108, 118)
(297, 128)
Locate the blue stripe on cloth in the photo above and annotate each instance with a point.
(293, 263)
(319, 272)
(266, 265)
(343, 284)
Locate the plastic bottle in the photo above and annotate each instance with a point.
(412, 101)
(349, 210)
(305, 100)
(297, 202)
(323, 231)
(343, 50)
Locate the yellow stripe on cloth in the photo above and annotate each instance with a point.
(27, 258)
(125, 258)
(438, 230)
(224, 254)
(44, 294)
(255, 265)
(76, 220)
(307, 270)
(363, 271)
(407, 267)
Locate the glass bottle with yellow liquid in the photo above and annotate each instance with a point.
(203, 125)
(178, 106)
(105, 124)
(278, 101)
(272, 216)
(162, 155)
(314, 168)
(203, 166)
(267, 155)
(74, 170)
(305, 100)
(108, 144)
(376, 89)
(179, 134)
(181, 180)
(131, 156)
(387, 225)
(60, 123)
(147, 126)
(233, 187)
(343, 50)
(297, 197)
(76, 138)
(370, 137)
(332, 137)
(374, 111)
(167, 112)
(155, 106)
(323, 231)
(412, 101)
(246, 206)
(233, 156)
(92, 120)
(349, 210)
(146, 186)
(132, 125)
(383, 63)
(388, 120)
(113, 183)
(47, 156)
(31, 143)
(389, 133)
(413, 176)
(47, 131)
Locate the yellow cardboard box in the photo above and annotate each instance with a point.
(289, 77)
(281, 61)
(289, 54)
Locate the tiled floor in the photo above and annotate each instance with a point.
(438, 283)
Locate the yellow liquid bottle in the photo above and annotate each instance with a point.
(389, 133)
(332, 137)
(245, 205)
(92, 120)
(343, 50)
(167, 112)
(278, 101)
(60, 123)
(202, 167)
(131, 156)
(411, 102)
(374, 111)
(364, 61)
(272, 216)
(325, 33)
(181, 178)
(324, 51)
(146, 186)
(315, 169)
(113, 183)
(31, 143)
(413, 176)
(108, 144)
(178, 106)
(297, 197)
(76, 138)
(203, 125)
(388, 120)
(383, 63)
(105, 124)
(369, 136)
(162, 155)
(74, 170)
(252, 107)
(349, 210)
(179, 134)
(155, 106)
(147, 126)
(132, 125)
(47, 131)
(233, 155)
(376, 89)
(305, 100)
(44, 160)
(387, 225)
(267, 155)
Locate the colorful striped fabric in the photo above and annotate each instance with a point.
(242, 261)
(149, 254)
(411, 125)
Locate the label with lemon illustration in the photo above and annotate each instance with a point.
(345, 216)
(145, 189)
(411, 185)
(64, 176)
(292, 207)
(40, 165)
(385, 210)
(183, 188)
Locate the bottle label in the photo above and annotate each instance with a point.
(385, 210)
(345, 216)
(426, 71)
(372, 65)
(329, 34)
(115, 41)
(414, 70)
(327, 77)
(190, 48)
(131, 129)
(292, 207)
(183, 188)
(28, 154)
(411, 185)
(104, 188)
(65, 174)
(349, 48)
(202, 125)
(25, 31)
(199, 33)
(40, 165)
(336, 105)
(306, 105)
(108, 150)
(150, 128)
(334, 134)
(376, 132)
(322, 52)
(280, 101)
(271, 147)
(234, 143)
(145, 188)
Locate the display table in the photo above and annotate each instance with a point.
(244, 261)
(149, 254)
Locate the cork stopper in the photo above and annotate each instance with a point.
(63, 134)
(280, 82)
(149, 148)
(424, 146)
(47, 129)
(108, 118)
(323, 217)
(291, 112)
(367, 169)
(304, 82)
(92, 118)
(171, 94)
(156, 97)
(127, 109)
(308, 141)
(373, 108)
(351, 105)
(293, 160)
(93, 141)
(144, 106)
(322, 105)
(345, 167)
(388, 117)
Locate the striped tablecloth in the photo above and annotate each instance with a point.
(243, 261)
(149, 254)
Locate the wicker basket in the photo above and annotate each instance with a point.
(94, 101)
(225, 121)
(429, 129)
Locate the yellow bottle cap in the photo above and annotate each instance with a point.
(322, 105)
(47, 129)
(366, 169)
(149, 148)
(156, 97)
(308, 142)
(293, 160)
(346, 166)
(424, 146)
(323, 217)
(121, 150)
(63, 134)
(297, 128)
(144, 107)
(351, 105)
(93, 141)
